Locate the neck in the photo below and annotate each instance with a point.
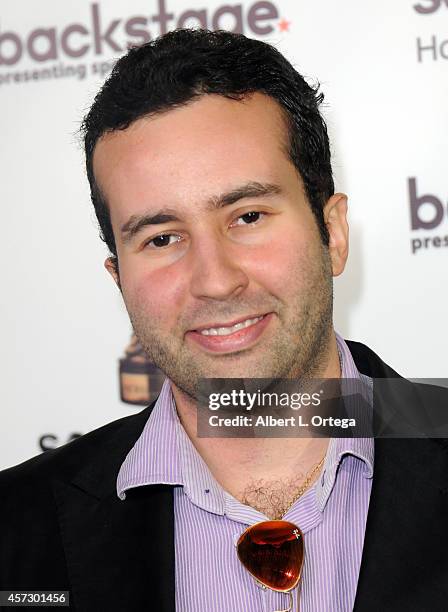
(239, 464)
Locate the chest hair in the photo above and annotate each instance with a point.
(271, 497)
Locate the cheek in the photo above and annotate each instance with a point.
(157, 293)
(278, 264)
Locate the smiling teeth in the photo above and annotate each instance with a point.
(225, 331)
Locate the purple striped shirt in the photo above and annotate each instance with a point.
(332, 515)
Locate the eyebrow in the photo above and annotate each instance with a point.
(252, 189)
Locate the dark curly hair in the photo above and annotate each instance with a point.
(185, 64)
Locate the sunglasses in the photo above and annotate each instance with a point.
(273, 552)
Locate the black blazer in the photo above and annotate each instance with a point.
(62, 526)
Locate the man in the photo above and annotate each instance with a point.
(210, 174)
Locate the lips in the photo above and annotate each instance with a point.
(238, 340)
(229, 324)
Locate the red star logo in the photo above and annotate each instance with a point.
(283, 25)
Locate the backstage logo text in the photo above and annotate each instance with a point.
(47, 48)
(433, 47)
(429, 217)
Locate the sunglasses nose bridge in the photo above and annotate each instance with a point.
(291, 602)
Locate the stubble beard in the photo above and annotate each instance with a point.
(298, 350)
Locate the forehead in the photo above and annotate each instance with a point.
(191, 152)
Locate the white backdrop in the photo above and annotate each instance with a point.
(383, 67)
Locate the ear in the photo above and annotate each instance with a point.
(335, 217)
(111, 266)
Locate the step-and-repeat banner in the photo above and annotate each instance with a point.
(69, 361)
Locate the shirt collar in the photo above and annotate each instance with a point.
(338, 448)
(154, 458)
(164, 454)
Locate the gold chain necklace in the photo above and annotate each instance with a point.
(307, 481)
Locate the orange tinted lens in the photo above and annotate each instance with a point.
(272, 551)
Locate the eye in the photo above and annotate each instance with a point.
(250, 218)
(164, 240)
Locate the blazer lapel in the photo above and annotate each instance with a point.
(404, 562)
(120, 554)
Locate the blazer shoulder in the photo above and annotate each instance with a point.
(431, 399)
(62, 462)
(368, 362)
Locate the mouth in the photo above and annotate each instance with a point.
(230, 337)
(224, 329)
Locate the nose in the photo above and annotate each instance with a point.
(217, 273)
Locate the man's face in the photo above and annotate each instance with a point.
(213, 229)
